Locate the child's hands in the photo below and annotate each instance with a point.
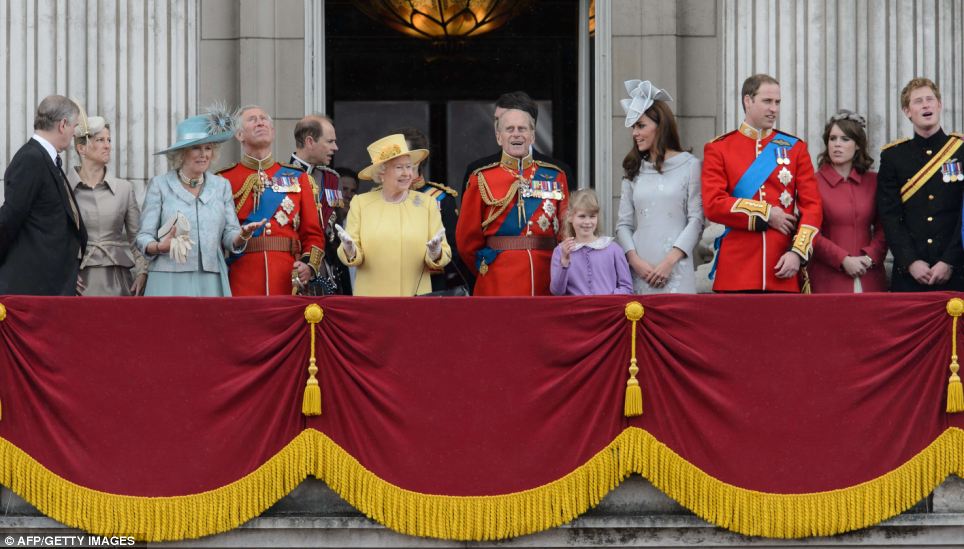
(567, 245)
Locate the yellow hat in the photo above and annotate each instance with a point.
(387, 148)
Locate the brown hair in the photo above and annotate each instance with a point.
(751, 86)
(585, 200)
(666, 139)
(851, 126)
(310, 126)
(915, 84)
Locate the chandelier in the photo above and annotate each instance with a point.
(442, 20)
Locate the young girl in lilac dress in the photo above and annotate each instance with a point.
(586, 263)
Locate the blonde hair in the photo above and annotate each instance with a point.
(585, 200)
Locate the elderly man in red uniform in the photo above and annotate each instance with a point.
(512, 212)
(758, 182)
(287, 251)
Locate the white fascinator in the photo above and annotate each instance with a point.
(642, 93)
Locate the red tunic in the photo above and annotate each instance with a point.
(850, 227)
(749, 253)
(296, 219)
(511, 271)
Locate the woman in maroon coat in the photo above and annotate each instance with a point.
(850, 249)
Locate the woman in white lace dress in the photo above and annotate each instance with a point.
(660, 209)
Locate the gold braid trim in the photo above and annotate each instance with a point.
(245, 191)
(499, 205)
(478, 518)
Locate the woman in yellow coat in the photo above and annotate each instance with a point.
(394, 235)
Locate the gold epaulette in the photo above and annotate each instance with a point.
(314, 186)
(788, 134)
(957, 135)
(329, 170)
(444, 188)
(544, 164)
(721, 136)
(894, 142)
(486, 167)
(292, 166)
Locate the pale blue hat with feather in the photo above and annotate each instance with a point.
(215, 126)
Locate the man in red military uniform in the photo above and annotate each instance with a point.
(287, 251)
(511, 214)
(759, 183)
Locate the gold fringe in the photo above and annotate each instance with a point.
(955, 393)
(477, 518)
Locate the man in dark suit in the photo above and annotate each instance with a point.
(919, 197)
(41, 232)
(519, 100)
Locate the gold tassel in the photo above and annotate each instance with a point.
(633, 405)
(311, 403)
(955, 393)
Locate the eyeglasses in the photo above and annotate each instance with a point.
(849, 115)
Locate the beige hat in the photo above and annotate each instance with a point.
(89, 126)
(387, 148)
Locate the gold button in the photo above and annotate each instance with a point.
(930, 197)
(930, 152)
(267, 231)
(930, 219)
(930, 240)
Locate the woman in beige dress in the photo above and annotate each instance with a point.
(109, 208)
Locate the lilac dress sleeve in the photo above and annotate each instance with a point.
(624, 279)
(559, 275)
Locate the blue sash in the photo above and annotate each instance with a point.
(268, 204)
(751, 181)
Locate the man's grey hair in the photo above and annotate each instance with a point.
(52, 110)
(240, 116)
(532, 121)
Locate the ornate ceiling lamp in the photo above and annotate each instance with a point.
(442, 20)
(592, 18)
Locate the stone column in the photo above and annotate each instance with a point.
(254, 53)
(675, 45)
(133, 62)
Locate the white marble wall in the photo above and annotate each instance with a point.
(856, 54)
(132, 61)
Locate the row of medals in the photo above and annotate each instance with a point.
(952, 171)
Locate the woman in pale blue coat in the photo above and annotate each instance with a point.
(189, 222)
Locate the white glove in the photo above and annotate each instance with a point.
(180, 246)
(346, 241)
(435, 245)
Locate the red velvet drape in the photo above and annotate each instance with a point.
(783, 394)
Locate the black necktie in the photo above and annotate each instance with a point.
(70, 198)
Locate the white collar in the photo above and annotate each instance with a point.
(303, 162)
(599, 244)
(51, 150)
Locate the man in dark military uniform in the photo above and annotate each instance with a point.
(516, 100)
(456, 272)
(919, 197)
(315, 146)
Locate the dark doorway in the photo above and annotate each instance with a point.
(378, 79)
